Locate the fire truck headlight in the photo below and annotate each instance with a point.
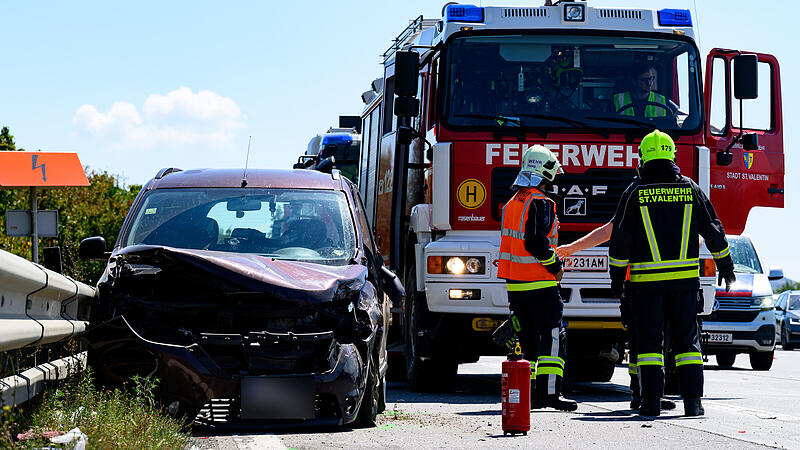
(573, 13)
(474, 265)
(455, 265)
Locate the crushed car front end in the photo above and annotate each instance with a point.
(239, 338)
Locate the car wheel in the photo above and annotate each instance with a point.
(785, 339)
(761, 360)
(368, 412)
(725, 360)
(423, 374)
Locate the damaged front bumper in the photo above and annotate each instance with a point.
(240, 379)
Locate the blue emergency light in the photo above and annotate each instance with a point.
(464, 13)
(337, 139)
(674, 18)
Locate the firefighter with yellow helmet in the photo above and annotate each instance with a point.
(656, 230)
(532, 270)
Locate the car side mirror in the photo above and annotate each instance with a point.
(391, 284)
(93, 248)
(775, 273)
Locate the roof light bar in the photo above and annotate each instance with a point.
(674, 18)
(464, 13)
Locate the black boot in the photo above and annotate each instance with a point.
(650, 407)
(692, 407)
(667, 405)
(561, 403)
(636, 403)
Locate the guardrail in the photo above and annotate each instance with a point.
(38, 307)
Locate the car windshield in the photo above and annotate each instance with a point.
(608, 82)
(745, 259)
(289, 224)
(793, 303)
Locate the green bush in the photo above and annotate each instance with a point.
(122, 418)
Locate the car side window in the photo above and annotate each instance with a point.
(363, 223)
(781, 301)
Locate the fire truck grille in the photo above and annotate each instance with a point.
(600, 190)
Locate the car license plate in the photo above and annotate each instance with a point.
(720, 338)
(586, 263)
(278, 397)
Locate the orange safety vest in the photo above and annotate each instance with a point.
(516, 263)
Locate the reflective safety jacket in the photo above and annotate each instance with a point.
(623, 99)
(529, 236)
(656, 230)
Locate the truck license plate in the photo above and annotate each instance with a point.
(586, 263)
(720, 338)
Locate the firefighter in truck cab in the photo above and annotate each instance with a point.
(655, 232)
(532, 270)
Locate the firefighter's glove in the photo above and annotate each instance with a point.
(729, 278)
(617, 288)
(624, 311)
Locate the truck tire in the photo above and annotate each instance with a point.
(590, 369)
(761, 360)
(725, 360)
(423, 374)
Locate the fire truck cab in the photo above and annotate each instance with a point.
(460, 100)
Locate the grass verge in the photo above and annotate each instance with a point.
(119, 418)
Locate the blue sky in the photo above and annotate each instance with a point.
(133, 87)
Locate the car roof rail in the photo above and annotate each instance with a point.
(166, 171)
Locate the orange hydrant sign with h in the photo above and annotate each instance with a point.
(41, 169)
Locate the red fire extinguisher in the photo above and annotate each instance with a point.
(516, 393)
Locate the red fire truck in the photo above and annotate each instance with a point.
(463, 96)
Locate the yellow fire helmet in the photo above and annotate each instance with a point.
(538, 163)
(657, 145)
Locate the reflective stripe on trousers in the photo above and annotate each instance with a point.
(649, 359)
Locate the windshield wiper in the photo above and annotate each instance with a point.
(499, 118)
(643, 125)
(567, 120)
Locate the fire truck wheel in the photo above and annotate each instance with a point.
(424, 374)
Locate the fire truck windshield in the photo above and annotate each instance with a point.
(572, 83)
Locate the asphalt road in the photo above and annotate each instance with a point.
(744, 409)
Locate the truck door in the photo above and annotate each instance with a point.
(754, 177)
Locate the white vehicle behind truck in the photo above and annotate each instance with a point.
(743, 320)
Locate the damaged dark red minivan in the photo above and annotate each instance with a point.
(257, 300)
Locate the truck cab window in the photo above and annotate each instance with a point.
(572, 82)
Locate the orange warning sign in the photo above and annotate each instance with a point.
(42, 169)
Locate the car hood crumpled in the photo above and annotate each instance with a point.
(297, 281)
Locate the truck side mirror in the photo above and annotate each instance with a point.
(406, 72)
(750, 141)
(724, 158)
(745, 77)
(93, 248)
